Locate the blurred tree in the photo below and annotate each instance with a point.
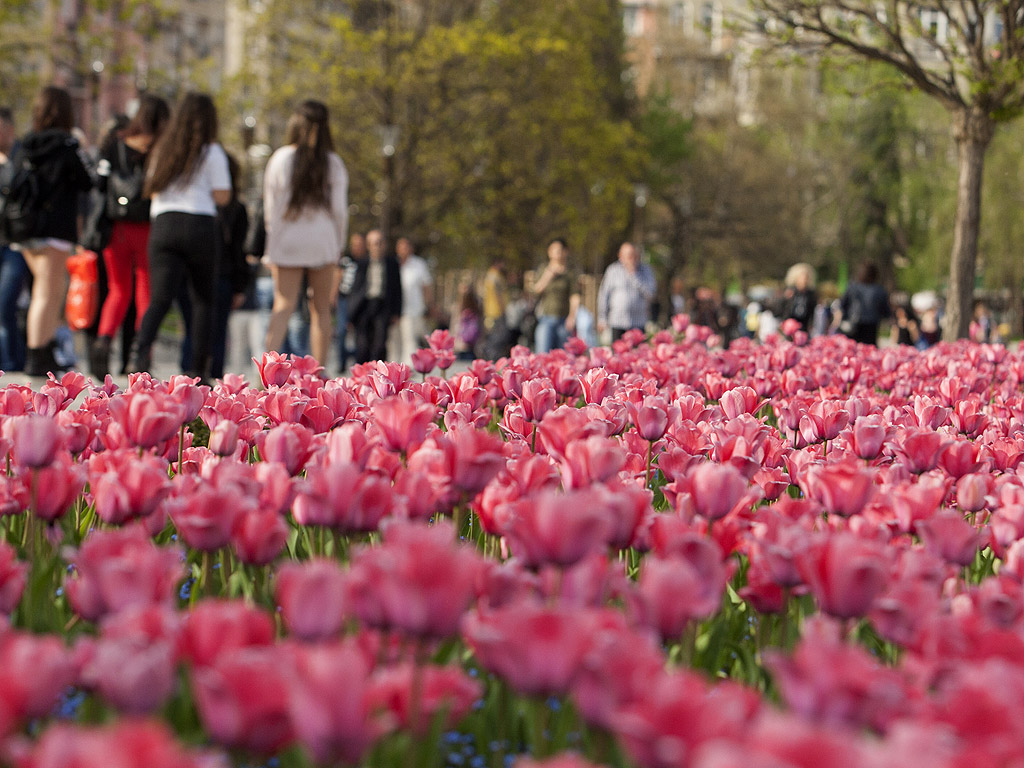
(478, 128)
(965, 54)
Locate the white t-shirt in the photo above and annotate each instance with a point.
(415, 276)
(196, 196)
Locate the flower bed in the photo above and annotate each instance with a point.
(796, 554)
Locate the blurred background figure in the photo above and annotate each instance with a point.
(62, 171)
(905, 329)
(233, 271)
(863, 306)
(557, 299)
(624, 298)
(467, 322)
(800, 295)
(375, 303)
(346, 276)
(13, 269)
(417, 296)
(305, 207)
(188, 179)
(121, 175)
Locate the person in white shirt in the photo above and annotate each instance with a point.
(305, 208)
(417, 295)
(187, 178)
(624, 299)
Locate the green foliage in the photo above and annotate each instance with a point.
(510, 120)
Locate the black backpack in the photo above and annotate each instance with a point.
(21, 200)
(124, 190)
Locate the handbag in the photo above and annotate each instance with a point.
(83, 300)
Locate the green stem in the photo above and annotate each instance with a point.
(181, 447)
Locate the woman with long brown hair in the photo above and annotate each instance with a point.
(62, 171)
(305, 208)
(121, 174)
(188, 178)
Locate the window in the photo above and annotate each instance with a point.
(676, 14)
(631, 20)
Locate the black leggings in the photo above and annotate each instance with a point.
(182, 246)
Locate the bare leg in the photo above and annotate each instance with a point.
(49, 283)
(321, 329)
(287, 284)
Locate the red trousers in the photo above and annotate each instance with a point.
(127, 265)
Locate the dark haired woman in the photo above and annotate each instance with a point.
(187, 179)
(864, 306)
(63, 171)
(305, 207)
(121, 172)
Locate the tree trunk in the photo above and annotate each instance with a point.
(973, 130)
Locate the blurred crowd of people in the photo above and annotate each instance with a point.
(159, 199)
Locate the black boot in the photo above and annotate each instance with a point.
(139, 360)
(99, 358)
(40, 361)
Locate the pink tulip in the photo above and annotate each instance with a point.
(838, 685)
(740, 400)
(617, 672)
(221, 628)
(119, 569)
(868, 435)
(13, 575)
(537, 651)
(971, 492)
(34, 671)
(126, 744)
(148, 418)
(418, 581)
(537, 398)
(205, 516)
(35, 440)
(844, 573)
(560, 528)
(258, 535)
(952, 538)
(224, 438)
(676, 591)
(842, 488)
(126, 486)
(329, 702)
(402, 425)
(679, 715)
(287, 444)
(243, 700)
(650, 417)
(274, 369)
(136, 676)
(414, 705)
(340, 497)
(920, 449)
(313, 599)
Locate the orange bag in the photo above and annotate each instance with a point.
(84, 291)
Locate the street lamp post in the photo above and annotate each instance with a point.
(640, 193)
(388, 140)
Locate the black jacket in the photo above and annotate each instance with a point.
(392, 298)
(234, 225)
(63, 172)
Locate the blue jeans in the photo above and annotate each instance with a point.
(13, 274)
(551, 333)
